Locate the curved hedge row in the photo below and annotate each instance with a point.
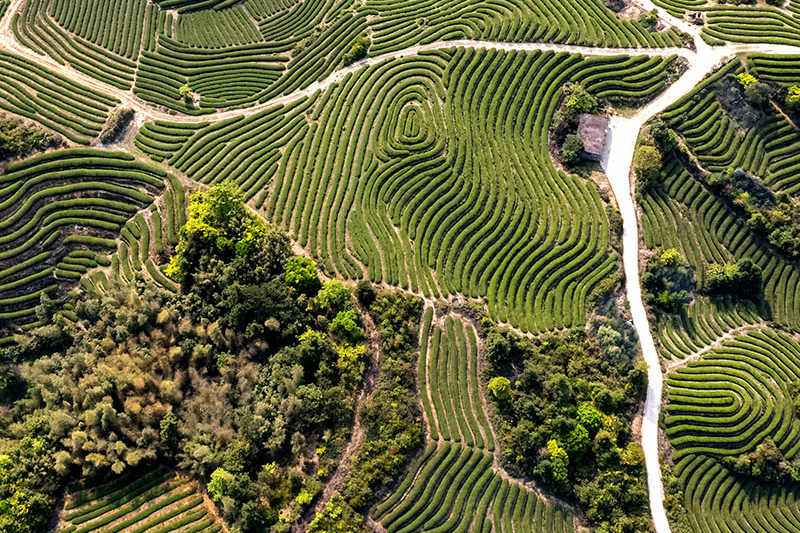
(452, 488)
(750, 24)
(221, 76)
(116, 25)
(59, 215)
(404, 23)
(465, 201)
(217, 28)
(753, 25)
(452, 485)
(769, 149)
(161, 140)
(157, 503)
(702, 324)
(33, 92)
(777, 68)
(686, 215)
(147, 242)
(735, 397)
(717, 500)
(232, 54)
(36, 28)
(725, 406)
(450, 386)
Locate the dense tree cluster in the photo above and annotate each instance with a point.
(19, 140)
(774, 218)
(117, 124)
(242, 378)
(338, 517)
(577, 100)
(741, 279)
(567, 402)
(780, 223)
(391, 416)
(668, 283)
(358, 50)
(766, 463)
(647, 162)
(649, 20)
(743, 97)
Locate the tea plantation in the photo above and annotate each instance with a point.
(373, 265)
(454, 221)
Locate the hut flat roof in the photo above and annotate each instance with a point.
(592, 131)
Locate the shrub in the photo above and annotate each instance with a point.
(185, 92)
(663, 137)
(671, 257)
(577, 441)
(647, 165)
(650, 20)
(667, 288)
(589, 417)
(358, 50)
(18, 140)
(560, 461)
(365, 293)
(345, 324)
(615, 5)
(219, 224)
(220, 484)
(745, 80)
(758, 93)
(793, 98)
(500, 387)
(742, 279)
(572, 148)
(333, 295)
(301, 273)
(578, 99)
(117, 124)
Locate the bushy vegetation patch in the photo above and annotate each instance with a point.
(116, 126)
(225, 359)
(567, 417)
(668, 283)
(452, 485)
(18, 140)
(391, 415)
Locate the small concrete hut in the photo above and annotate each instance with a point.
(593, 132)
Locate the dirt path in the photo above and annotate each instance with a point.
(705, 56)
(336, 482)
(717, 343)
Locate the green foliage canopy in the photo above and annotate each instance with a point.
(500, 387)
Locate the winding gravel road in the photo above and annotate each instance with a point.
(616, 162)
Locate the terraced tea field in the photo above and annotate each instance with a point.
(257, 49)
(729, 390)
(324, 167)
(778, 23)
(159, 501)
(454, 484)
(35, 93)
(62, 213)
(724, 406)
